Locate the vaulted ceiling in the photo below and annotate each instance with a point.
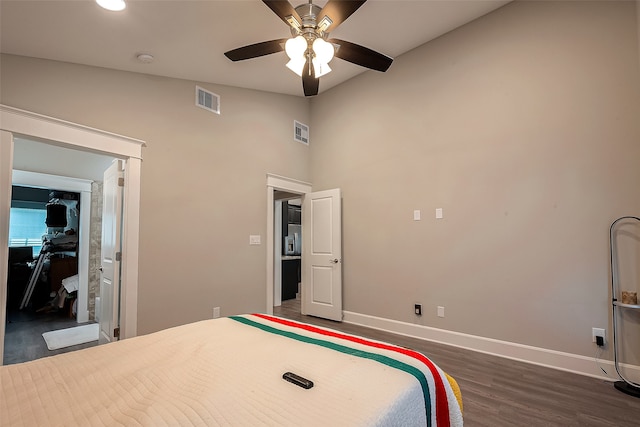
(188, 38)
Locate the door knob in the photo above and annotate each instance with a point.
(334, 261)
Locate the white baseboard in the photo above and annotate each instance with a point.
(539, 356)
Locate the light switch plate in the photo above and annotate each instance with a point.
(439, 213)
(416, 215)
(254, 239)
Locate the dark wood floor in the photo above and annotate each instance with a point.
(501, 392)
(23, 335)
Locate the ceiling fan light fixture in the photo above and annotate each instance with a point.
(297, 65)
(320, 68)
(296, 47)
(323, 50)
(308, 50)
(113, 5)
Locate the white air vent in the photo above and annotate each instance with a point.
(300, 132)
(207, 100)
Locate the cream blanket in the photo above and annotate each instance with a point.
(228, 372)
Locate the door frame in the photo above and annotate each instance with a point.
(277, 182)
(78, 137)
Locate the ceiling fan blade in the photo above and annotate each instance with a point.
(256, 50)
(338, 11)
(282, 8)
(361, 55)
(310, 83)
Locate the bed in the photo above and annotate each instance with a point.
(229, 372)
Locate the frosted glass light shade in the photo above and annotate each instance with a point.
(322, 54)
(323, 50)
(297, 65)
(320, 69)
(114, 5)
(295, 47)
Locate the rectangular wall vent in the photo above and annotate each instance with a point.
(300, 132)
(207, 100)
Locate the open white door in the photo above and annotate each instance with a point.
(322, 254)
(110, 252)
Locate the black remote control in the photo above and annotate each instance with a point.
(297, 380)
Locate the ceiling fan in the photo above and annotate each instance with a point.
(309, 49)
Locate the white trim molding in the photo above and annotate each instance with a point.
(61, 132)
(78, 137)
(6, 166)
(524, 353)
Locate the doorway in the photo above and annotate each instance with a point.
(288, 250)
(321, 291)
(64, 134)
(278, 189)
(52, 286)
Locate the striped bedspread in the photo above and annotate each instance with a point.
(228, 372)
(438, 406)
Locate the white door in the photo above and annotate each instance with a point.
(322, 254)
(109, 252)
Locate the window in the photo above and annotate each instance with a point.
(26, 228)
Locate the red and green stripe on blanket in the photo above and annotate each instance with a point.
(441, 394)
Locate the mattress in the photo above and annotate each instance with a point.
(228, 372)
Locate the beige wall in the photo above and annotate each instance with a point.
(524, 127)
(203, 189)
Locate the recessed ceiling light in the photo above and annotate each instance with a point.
(114, 5)
(145, 58)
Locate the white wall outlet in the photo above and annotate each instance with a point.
(216, 312)
(254, 239)
(416, 215)
(439, 213)
(598, 332)
(440, 311)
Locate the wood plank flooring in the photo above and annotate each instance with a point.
(500, 392)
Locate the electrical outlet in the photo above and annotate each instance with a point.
(440, 311)
(216, 312)
(598, 332)
(417, 309)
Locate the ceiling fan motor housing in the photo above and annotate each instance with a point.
(310, 29)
